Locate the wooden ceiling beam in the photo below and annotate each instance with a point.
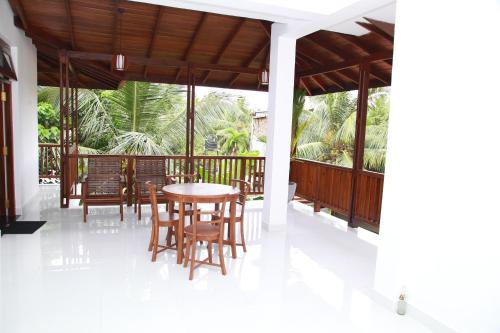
(345, 56)
(302, 83)
(249, 61)
(154, 37)
(71, 28)
(266, 27)
(317, 81)
(114, 36)
(347, 64)
(163, 62)
(386, 27)
(330, 76)
(376, 30)
(194, 38)
(225, 46)
(18, 9)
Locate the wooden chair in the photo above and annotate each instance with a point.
(210, 231)
(148, 169)
(159, 220)
(103, 185)
(240, 209)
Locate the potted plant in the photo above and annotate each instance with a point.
(292, 187)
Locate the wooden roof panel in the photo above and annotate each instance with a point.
(325, 60)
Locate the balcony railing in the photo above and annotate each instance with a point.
(211, 169)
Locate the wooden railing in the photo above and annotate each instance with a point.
(331, 186)
(49, 160)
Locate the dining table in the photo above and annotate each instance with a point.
(185, 193)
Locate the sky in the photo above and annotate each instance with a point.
(257, 100)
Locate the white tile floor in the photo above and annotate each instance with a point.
(98, 277)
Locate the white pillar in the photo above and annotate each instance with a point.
(281, 82)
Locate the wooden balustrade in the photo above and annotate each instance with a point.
(49, 160)
(211, 169)
(330, 186)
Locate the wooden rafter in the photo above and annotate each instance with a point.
(71, 27)
(225, 46)
(154, 37)
(248, 62)
(307, 60)
(318, 83)
(303, 83)
(386, 27)
(192, 42)
(329, 47)
(376, 30)
(18, 9)
(347, 64)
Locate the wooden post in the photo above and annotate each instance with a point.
(191, 149)
(130, 175)
(359, 138)
(188, 112)
(317, 207)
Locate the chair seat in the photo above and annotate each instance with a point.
(203, 230)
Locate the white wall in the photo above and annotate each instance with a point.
(24, 105)
(440, 226)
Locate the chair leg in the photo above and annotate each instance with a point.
(242, 235)
(139, 210)
(221, 258)
(155, 244)
(210, 251)
(121, 211)
(151, 238)
(85, 212)
(193, 258)
(135, 206)
(188, 249)
(169, 236)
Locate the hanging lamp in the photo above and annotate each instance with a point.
(119, 62)
(264, 76)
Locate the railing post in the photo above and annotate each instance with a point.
(243, 168)
(130, 176)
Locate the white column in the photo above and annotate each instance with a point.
(281, 82)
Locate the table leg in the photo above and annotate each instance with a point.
(180, 234)
(232, 233)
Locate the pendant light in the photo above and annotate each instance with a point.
(119, 62)
(264, 76)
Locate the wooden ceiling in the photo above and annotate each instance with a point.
(226, 51)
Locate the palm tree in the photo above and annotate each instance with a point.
(328, 131)
(226, 117)
(139, 118)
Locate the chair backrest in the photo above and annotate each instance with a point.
(150, 169)
(182, 178)
(104, 166)
(154, 203)
(217, 204)
(103, 176)
(244, 187)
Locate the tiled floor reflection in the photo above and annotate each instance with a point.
(98, 277)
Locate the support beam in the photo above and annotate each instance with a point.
(163, 62)
(282, 68)
(359, 138)
(194, 38)
(347, 64)
(152, 44)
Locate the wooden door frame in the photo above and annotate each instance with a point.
(7, 153)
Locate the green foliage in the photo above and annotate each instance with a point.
(148, 118)
(326, 133)
(48, 123)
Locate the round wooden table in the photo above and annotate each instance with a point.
(186, 192)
